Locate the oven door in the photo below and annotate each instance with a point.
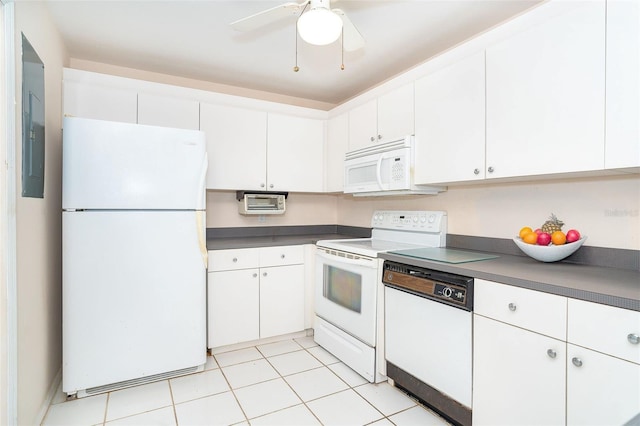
(345, 293)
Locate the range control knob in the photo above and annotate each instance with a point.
(432, 218)
(447, 292)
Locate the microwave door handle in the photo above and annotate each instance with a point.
(379, 171)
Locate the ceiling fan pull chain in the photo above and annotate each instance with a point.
(296, 68)
(342, 52)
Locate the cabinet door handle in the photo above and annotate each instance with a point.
(264, 274)
(372, 139)
(633, 338)
(255, 275)
(379, 137)
(551, 353)
(235, 259)
(262, 185)
(476, 171)
(512, 307)
(576, 361)
(490, 169)
(271, 186)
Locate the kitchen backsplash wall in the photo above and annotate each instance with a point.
(302, 209)
(605, 209)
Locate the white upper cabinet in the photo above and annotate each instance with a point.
(450, 123)
(387, 118)
(100, 102)
(295, 153)
(236, 146)
(166, 111)
(337, 145)
(545, 96)
(363, 125)
(623, 85)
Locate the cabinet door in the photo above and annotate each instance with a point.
(236, 146)
(623, 84)
(545, 96)
(281, 300)
(166, 111)
(606, 329)
(396, 114)
(450, 123)
(100, 102)
(522, 307)
(233, 307)
(363, 125)
(518, 376)
(601, 389)
(337, 145)
(295, 154)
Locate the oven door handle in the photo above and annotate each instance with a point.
(357, 262)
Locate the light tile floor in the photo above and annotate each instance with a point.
(291, 382)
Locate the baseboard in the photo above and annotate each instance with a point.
(50, 395)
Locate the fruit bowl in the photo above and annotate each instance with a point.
(550, 253)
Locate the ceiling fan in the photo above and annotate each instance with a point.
(317, 23)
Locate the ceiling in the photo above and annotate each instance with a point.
(193, 39)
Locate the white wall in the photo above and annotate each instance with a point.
(39, 233)
(302, 209)
(606, 209)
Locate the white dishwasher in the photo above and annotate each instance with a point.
(428, 333)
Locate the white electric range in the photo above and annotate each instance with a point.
(349, 303)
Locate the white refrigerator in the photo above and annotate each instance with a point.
(133, 253)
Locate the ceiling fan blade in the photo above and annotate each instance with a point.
(267, 16)
(353, 40)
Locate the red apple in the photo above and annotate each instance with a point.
(544, 239)
(538, 231)
(572, 235)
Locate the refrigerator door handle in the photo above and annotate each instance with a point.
(202, 243)
(201, 201)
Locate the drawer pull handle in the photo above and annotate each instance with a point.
(512, 307)
(235, 259)
(255, 275)
(282, 256)
(633, 338)
(577, 362)
(551, 353)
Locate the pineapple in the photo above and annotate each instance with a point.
(552, 225)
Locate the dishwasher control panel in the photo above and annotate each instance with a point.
(451, 289)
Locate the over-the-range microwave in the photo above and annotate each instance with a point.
(383, 169)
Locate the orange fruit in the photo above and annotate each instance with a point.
(524, 231)
(530, 238)
(558, 238)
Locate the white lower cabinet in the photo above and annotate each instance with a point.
(526, 372)
(603, 364)
(518, 368)
(519, 376)
(254, 293)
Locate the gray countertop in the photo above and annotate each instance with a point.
(610, 286)
(267, 241)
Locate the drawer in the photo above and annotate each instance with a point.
(533, 310)
(228, 260)
(605, 329)
(281, 255)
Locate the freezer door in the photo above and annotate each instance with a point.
(134, 296)
(110, 165)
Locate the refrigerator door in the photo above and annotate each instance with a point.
(134, 295)
(110, 165)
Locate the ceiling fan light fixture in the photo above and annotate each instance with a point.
(319, 26)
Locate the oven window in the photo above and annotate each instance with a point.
(343, 287)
